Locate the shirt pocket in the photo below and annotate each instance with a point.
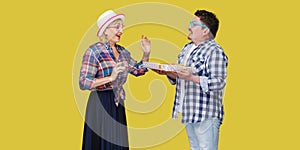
(198, 64)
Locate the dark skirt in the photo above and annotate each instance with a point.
(105, 123)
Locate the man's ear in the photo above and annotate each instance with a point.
(206, 31)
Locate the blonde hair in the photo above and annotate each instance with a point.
(103, 38)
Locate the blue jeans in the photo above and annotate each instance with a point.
(204, 135)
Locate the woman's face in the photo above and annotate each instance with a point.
(114, 31)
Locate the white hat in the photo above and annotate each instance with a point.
(106, 18)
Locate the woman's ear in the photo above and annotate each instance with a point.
(105, 32)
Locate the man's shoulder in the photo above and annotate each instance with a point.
(214, 46)
(187, 44)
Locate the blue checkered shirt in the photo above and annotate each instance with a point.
(205, 100)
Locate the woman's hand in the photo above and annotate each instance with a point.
(118, 68)
(146, 47)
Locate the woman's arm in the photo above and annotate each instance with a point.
(137, 69)
(88, 71)
(101, 81)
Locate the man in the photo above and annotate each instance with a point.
(199, 93)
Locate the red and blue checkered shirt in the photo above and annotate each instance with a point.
(99, 61)
(205, 100)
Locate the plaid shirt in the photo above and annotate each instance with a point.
(99, 61)
(205, 100)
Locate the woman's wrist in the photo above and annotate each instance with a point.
(146, 57)
(110, 79)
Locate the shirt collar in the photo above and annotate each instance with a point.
(108, 47)
(204, 43)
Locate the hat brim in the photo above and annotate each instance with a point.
(109, 21)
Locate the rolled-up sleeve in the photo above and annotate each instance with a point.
(217, 64)
(138, 69)
(172, 81)
(88, 70)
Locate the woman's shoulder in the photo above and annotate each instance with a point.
(120, 47)
(97, 46)
(94, 49)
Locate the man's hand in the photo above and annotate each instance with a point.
(187, 75)
(160, 72)
(184, 74)
(168, 73)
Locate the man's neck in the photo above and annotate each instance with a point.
(198, 42)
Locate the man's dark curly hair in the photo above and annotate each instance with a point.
(209, 19)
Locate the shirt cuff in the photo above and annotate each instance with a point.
(172, 81)
(140, 65)
(204, 83)
(91, 84)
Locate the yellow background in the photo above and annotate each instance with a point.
(39, 41)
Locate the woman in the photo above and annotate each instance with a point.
(104, 70)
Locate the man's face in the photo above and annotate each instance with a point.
(114, 31)
(196, 30)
